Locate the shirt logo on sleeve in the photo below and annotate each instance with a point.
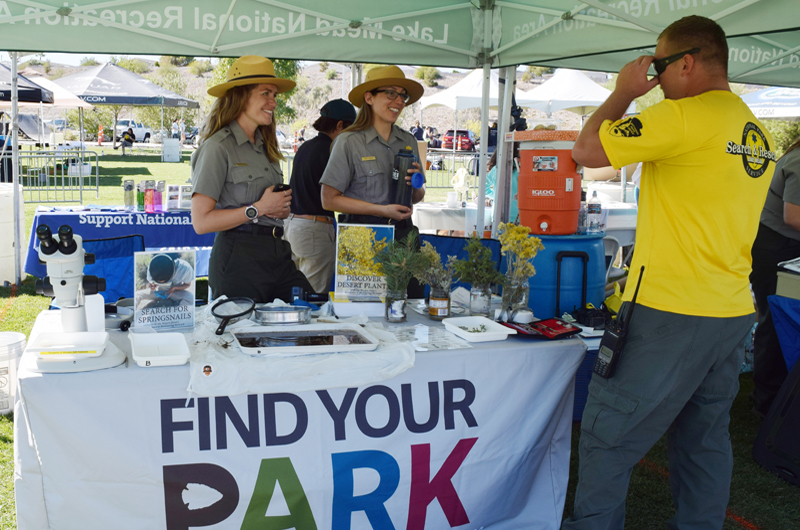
(629, 128)
(754, 150)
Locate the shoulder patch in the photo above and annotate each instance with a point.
(629, 128)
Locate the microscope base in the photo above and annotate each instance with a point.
(111, 357)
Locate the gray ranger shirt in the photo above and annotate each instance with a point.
(233, 171)
(361, 163)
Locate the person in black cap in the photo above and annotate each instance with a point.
(168, 280)
(310, 228)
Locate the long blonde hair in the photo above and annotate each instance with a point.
(229, 107)
(363, 119)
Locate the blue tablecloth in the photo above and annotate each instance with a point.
(786, 315)
(168, 230)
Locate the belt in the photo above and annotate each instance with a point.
(259, 230)
(317, 218)
(374, 220)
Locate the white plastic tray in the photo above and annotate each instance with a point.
(494, 331)
(69, 346)
(292, 348)
(158, 349)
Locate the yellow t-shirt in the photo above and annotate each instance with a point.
(708, 163)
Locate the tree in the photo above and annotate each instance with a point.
(175, 60)
(428, 74)
(323, 66)
(284, 69)
(89, 61)
(107, 115)
(137, 66)
(172, 80)
(534, 71)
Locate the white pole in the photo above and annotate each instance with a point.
(504, 152)
(487, 71)
(15, 165)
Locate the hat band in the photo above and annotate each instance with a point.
(259, 76)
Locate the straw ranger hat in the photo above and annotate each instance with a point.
(385, 76)
(251, 70)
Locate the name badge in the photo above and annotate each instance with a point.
(241, 165)
(366, 158)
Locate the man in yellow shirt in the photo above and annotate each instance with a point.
(707, 165)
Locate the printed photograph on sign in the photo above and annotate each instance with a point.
(164, 289)
(358, 275)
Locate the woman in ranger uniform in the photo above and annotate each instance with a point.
(357, 180)
(234, 172)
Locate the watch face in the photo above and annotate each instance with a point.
(251, 212)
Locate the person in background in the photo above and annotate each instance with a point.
(778, 240)
(417, 131)
(310, 227)
(492, 142)
(491, 183)
(176, 131)
(182, 129)
(678, 372)
(358, 178)
(234, 172)
(126, 141)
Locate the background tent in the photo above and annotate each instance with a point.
(568, 90)
(108, 84)
(29, 91)
(466, 94)
(777, 102)
(62, 98)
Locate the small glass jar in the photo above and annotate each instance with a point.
(480, 299)
(515, 295)
(396, 306)
(439, 303)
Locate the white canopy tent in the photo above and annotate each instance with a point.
(763, 35)
(568, 90)
(466, 94)
(774, 103)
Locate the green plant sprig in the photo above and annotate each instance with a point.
(400, 261)
(479, 267)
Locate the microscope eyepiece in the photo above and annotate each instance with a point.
(67, 241)
(46, 241)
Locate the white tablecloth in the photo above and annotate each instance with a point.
(480, 436)
(432, 216)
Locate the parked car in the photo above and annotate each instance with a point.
(142, 132)
(191, 135)
(468, 140)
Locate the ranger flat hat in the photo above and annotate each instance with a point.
(251, 70)
(385, 76)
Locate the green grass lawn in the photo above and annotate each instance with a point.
(758, 500)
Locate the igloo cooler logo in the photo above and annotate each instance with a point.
(543, 193)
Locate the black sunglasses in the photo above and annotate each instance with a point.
(393, 94)
(661, 64)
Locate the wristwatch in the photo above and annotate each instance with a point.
(252, 213)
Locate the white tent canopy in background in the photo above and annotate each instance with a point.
(62, 98)
(466, 94)
(775, 102)
(568, 90)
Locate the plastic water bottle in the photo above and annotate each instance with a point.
(593, 212)
(582, 214)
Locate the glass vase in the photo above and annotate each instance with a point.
(480, 300)
(396, 306)
(515, 295)
(439, 303)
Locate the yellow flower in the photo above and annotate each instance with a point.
(519, 249)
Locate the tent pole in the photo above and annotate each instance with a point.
(487, 72)
(15, 165)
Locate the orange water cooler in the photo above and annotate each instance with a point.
(549, 185)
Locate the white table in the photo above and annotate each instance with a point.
(429, 217)
(116, 448)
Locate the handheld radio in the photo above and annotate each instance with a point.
(613, 340)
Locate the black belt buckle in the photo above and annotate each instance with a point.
(277, 232)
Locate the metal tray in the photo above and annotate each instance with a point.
(281, 315)
(304, 340)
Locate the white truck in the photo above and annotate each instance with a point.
(141, 132)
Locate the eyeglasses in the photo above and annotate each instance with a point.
(661, 64)
(393, 94)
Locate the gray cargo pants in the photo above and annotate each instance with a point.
(677, 374)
